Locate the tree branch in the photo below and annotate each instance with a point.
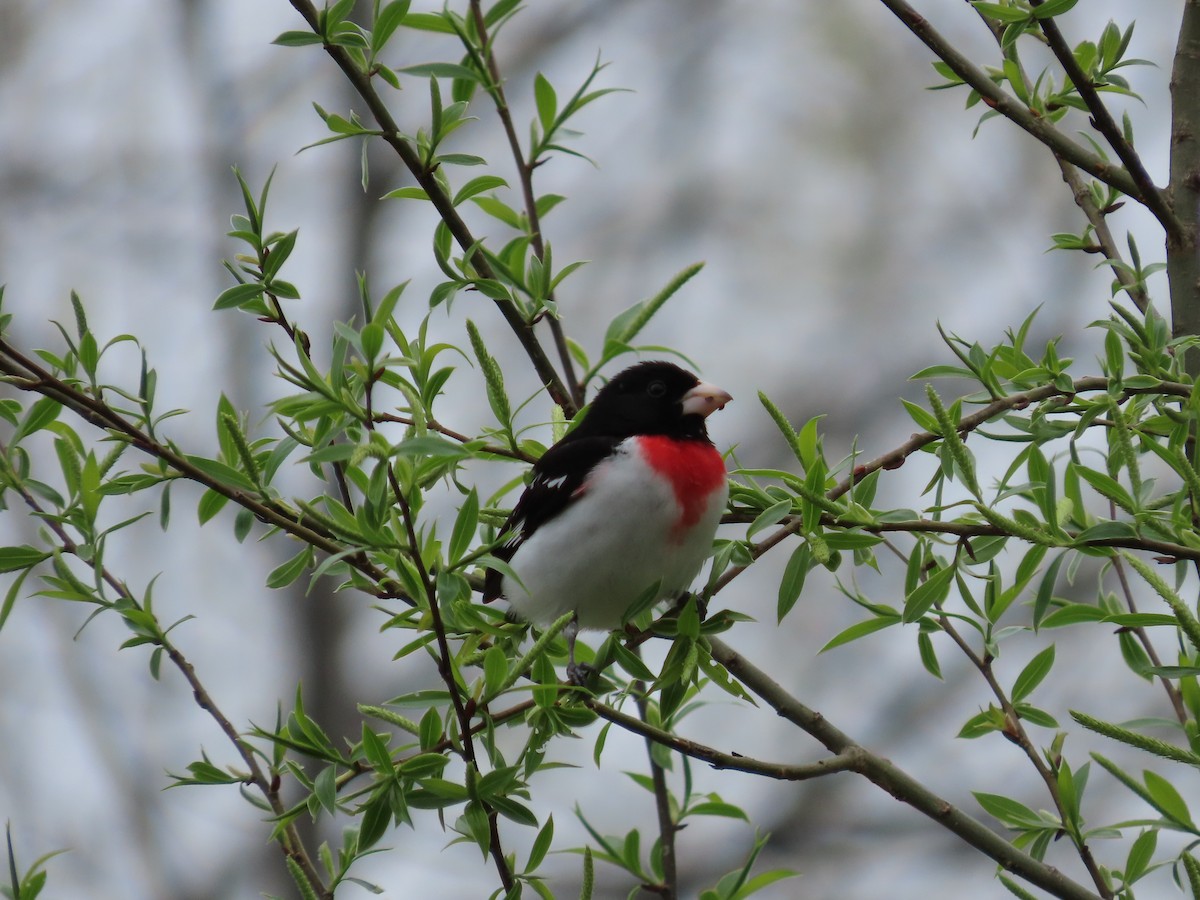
(842, 762)
(1183, 251)
(1010, 107)
(898, 783)
(525, 177)
(290, 841)
(895, 458)
(361, 82)
(27, 375)
(1154, 199)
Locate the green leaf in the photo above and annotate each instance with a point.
(1051, 8)
(238, 295)
(441, 70)
(389, 19)
(478, 186)
(1107, 487)
(547, 103)
(287, 573)
(792, 582)
(1167, 800)
(407, 193)
(15, 558)
(933, 590)
(465, 524)
(1033, 674)
(297, 39)
(772, 515)
(861, 629)
(1008, 811)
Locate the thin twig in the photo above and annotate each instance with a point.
(667, 828)
(1139, 632)
(842, 762)
(1082, 196)
(446, 671)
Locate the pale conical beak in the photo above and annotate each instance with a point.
(704, 399)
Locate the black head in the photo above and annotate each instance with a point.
(652, 398)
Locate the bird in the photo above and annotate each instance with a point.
(622, 509)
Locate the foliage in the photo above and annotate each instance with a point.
(1089, 475)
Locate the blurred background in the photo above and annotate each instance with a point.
(842, 211)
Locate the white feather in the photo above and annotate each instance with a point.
(612, 545)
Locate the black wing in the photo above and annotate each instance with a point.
(557, 478)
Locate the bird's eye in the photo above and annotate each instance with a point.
(656, 389)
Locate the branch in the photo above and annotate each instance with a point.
(1183, 258)
(963, 530)
(1016, 733)
(1011, 108)
(1153, 199)
(842, 762)
(1082, 196)
(391, 134)
(898, 783)
(667, 826)
(446, 670)
(290, 840)
(893, 459)
(27, 375)
(525, 176)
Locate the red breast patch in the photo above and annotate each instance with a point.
(694, 468)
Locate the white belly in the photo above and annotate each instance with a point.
(628, 515)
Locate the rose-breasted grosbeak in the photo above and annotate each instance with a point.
(627, 502)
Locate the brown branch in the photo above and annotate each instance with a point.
(525, 177)
(895, 458)
(1183, 250)
(27, 375)
(1154, 199)
(391, 134)
(842, 762)
(1010, 107)
(290, 842)
(898, 783)
(1016, 733)
(446, 671)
